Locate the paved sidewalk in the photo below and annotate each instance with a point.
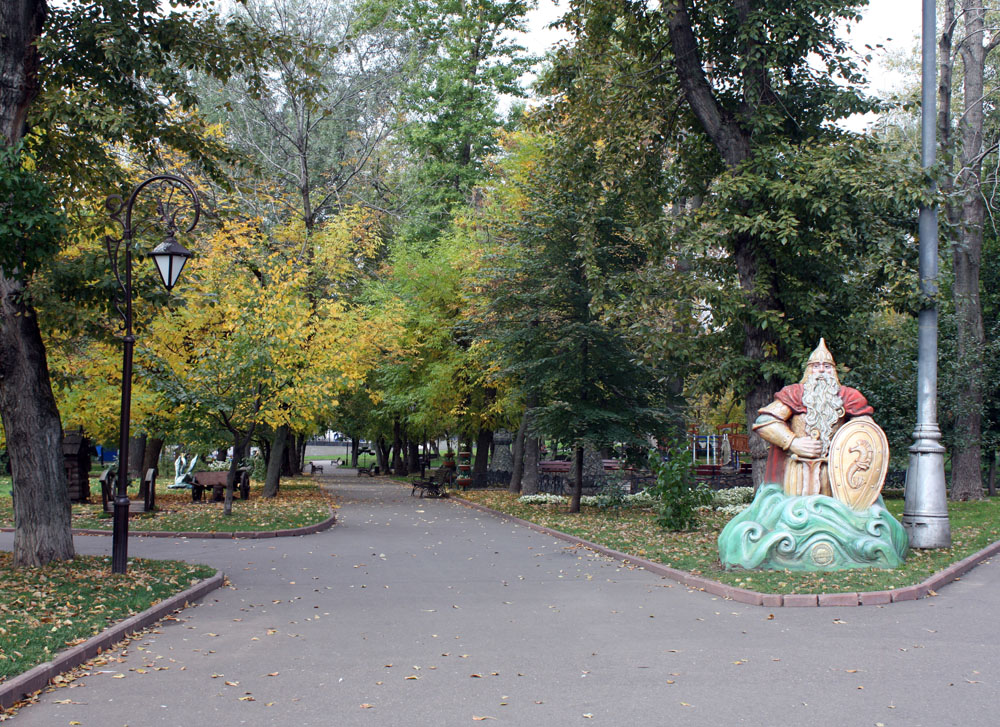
(435, 615)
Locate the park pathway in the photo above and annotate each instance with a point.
(420, 612)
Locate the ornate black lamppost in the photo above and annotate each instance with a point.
(170, 258)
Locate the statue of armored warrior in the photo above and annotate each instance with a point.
(800, 425)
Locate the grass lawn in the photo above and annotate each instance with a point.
(974, 525)
(300, 502)
(46, 610)
(4, 485)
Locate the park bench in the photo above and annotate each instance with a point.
(370, 471)
(146, 502)
(217, 481)
(314, 468)
(435, 485)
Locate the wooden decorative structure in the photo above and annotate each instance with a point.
(76, 460)
(464, 470)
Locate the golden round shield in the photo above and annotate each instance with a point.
(859, 461)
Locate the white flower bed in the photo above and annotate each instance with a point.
(543, 498)
(732, 496)
(643, 498)
(640, 499)
(728, 502)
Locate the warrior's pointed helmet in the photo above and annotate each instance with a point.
(820, 354)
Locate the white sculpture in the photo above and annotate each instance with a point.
(182, 471)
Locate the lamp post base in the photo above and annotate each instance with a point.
(119, 535)
(925, 514)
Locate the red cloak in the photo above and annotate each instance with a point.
(855, 405)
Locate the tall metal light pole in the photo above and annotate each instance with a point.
(925, 513)
(170, 258)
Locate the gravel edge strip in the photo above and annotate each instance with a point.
(38, 677)
(755, 598)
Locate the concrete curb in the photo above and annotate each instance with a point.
(214, 535)
(38, 677)
(755, 598)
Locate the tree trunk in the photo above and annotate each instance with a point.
(27, 408)
(272, 480)
(966, 459)
(993, 473)
(355, 446)
(518, 454)
(481, 464)
(265, 448)
(42, 530)
(412, 456)
(529, 477)
(397, 448)
(574, 503)
(382, 454)
(239, 444)
(733, 144)
(136, 455)
(294, 455)
(240, 447)
(22, 22)
(151, 459)
(288, 460)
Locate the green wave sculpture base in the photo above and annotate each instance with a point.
(810, 533)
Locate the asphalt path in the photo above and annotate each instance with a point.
(420, 612)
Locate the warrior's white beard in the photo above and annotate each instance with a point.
(824, 407)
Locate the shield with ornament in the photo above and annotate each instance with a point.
(859, 461)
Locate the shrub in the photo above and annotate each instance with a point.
(679, 494)
(611, 496)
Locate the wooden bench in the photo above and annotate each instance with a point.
(434, 486)
(314, 468)
(370, 471)
(146, 501)
(217, 481)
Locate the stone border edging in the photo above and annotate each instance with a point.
(755, 598)
(214, 535)
(38, 677)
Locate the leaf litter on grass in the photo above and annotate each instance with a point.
(46, 610)
(301, 502)
(634, 530)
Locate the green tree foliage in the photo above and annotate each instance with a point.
(572, 236)
(118, 73)
(312, 133)
(464, 59)
(83, 78)
(31, 227)
(782, 223)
